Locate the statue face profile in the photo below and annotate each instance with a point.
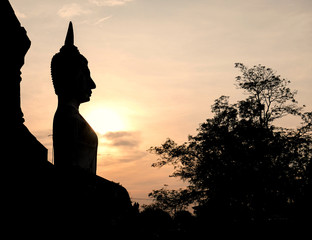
(74, 141)
(85, 84)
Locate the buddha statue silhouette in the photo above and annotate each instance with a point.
(74, 141)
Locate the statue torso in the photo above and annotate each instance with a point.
(74, 141)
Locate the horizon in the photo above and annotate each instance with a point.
(158, 68)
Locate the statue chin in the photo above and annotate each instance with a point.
(85, 98)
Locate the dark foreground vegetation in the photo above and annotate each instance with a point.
(241, 168)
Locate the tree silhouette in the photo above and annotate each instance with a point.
(269, 96)
(239, 166)
(171, 201)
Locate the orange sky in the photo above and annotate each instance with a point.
(158, 66)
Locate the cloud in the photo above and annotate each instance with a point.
(112, 135)
(110, 3)
(102, 20)
(128, 157)
(120, 148)
(71, 10)
(123, 139)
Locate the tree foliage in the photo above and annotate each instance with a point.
(269, 94)
(171, 201)
(240, 166)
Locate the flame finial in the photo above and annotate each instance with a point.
(69, 41)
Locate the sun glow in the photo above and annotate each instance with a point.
(104, 120)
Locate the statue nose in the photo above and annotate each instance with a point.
(92, 84)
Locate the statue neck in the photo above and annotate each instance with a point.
(67, 101)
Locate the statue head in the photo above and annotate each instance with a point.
(70, 73)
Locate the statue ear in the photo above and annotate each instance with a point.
(69, 41)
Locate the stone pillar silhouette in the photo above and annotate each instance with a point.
(20, 147)
(22, 157)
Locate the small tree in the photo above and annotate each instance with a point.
(171, 201)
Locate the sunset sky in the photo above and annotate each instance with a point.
(158, 66)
